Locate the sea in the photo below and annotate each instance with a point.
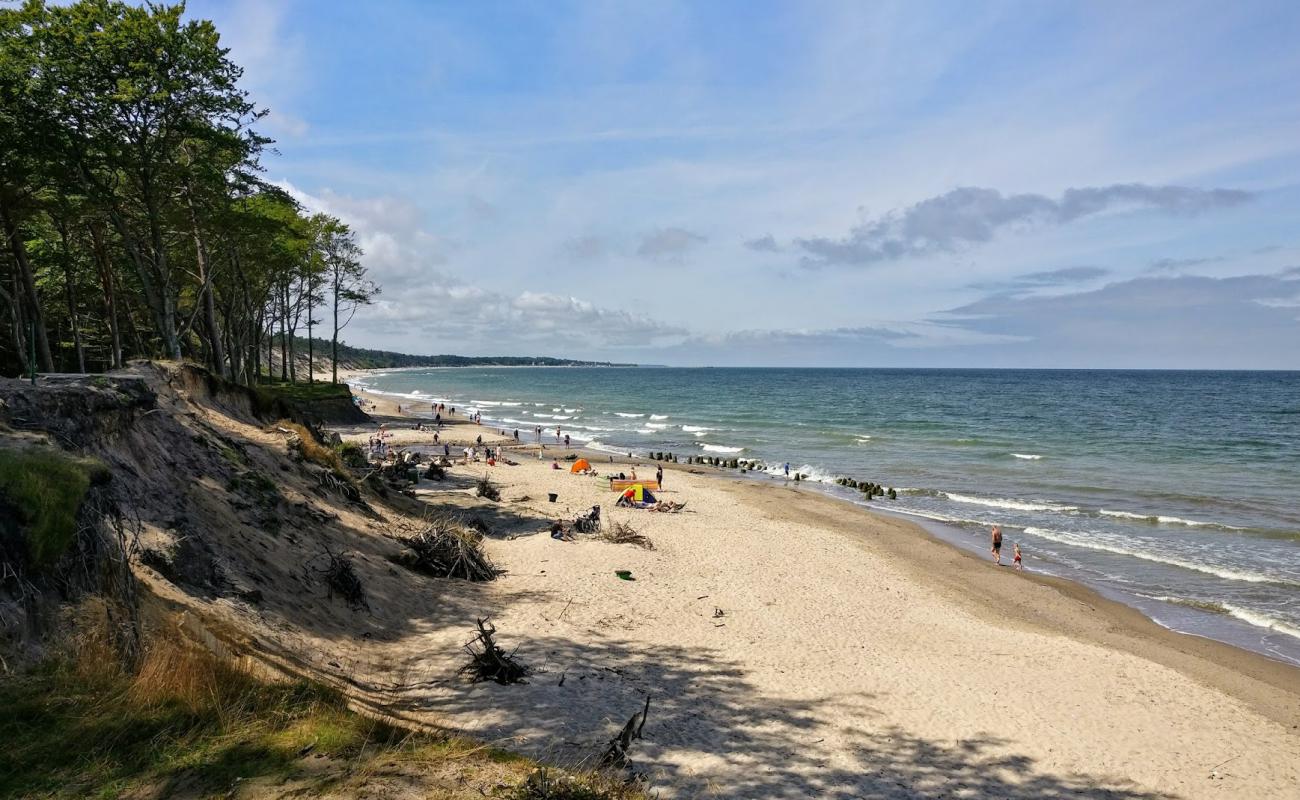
(1177, 492)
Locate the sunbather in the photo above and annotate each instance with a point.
(561, 533)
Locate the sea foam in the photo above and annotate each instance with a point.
(1093, 542)
(1007, 503)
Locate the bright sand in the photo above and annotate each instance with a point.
(796, 646)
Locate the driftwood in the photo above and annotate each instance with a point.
(340, 578)
(488, 662)
(445, 548)
(616, 754)
(485, 488)
(622, 533)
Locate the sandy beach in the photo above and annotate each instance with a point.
(796, 646)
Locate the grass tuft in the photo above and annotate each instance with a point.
(304, 443)
(43, 488)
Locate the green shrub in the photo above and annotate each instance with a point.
(352, 454)
(44, 489)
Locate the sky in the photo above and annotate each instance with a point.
(953, 184)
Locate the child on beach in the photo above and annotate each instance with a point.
(1016, 560)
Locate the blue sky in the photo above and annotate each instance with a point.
(803, 183)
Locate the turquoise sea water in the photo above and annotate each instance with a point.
(1178, 492)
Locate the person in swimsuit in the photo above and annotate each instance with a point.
(997, 545)
(1016, 560)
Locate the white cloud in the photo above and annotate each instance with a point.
(426, 308)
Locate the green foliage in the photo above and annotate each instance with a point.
(352, 454)
(257, 486)
(45, 488)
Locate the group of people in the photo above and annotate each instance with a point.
(378, 444)
(996, 549)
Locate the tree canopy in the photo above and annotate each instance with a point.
(135, 217)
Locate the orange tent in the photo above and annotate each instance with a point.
(580, 465)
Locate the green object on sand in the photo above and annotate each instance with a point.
(624, 574)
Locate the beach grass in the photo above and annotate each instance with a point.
(185, 721)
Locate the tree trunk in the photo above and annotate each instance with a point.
(105, 266)
(70, 294)
(211, 329)
(28, 280)
(284, 340)
(311, 303)
(334, 336)
(16, 326)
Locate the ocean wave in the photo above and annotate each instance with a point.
(718, 448)
(809, 473)
(1262, 620)
(1028, 456)
(560, 416)
(1256, 618)
(920, 492)
(593, 444)
(658, 416)
(695, 429)
(1007, 503)
(645, 431)
(698, 434)
(628, 416)
(1094, 543)
(572, 410)
(1161, 519)
(655, 426)
(934, 515)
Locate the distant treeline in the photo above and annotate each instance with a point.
(363, 358)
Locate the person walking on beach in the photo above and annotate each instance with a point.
(659, 476)
(996, 534)
(1016, 560)
(566, 440)
(787, 469)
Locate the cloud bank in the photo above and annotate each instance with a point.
(970, 215)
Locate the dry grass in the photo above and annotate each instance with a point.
(304, 443)
(547, 784)
(186, 723)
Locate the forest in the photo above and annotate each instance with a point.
(137, 219)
